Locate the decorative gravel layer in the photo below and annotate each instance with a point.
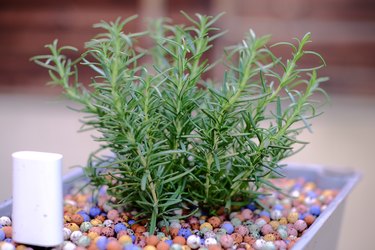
(281, 220)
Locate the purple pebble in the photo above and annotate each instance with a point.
(2, 235)
(119, 227)
(94, 211)
(292, 231)
(251, 206)
(300, 225)
(184, 232)
(169, 242)
(267, 229)
(101, 243)
(264, 213)
(315, 210)
(280, 244)
(278, 207)
(228, 227)
(131, 222)
(312, 194)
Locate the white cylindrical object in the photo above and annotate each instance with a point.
(37, 212)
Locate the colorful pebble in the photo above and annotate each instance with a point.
(102, 227)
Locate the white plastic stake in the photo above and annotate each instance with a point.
(37, 212)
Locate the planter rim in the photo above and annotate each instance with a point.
(351, 178)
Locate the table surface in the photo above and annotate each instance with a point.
(342, 137)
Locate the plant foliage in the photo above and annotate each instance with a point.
(178, 139)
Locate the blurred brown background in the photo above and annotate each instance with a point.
(34, 117)
(342, 31)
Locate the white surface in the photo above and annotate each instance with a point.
(37, 196)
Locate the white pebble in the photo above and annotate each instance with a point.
(193, 241)
(309, 201)
(295, 193)
(210, 241)
(259, 244)
(260, 222)
(175, 224)
(276, 214)
(69, 245)
(5, 221)
(269, 246)
(107, 223)
(70, 202)
(74, 237)
(67, 232)
(7, 246)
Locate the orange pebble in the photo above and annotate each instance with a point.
(96, 222)
(114, 245)
(266, 218)
(249, 239)
(214, 247)
(67, 218)
(8, 231)
(100, 217)
(125, 239)
(283, 221)
(309, 219)
(162, 245)
(140, 230)
(77, 218)
(72, 226)
(179, 240)
(214, 221)
(274, 224)
(149, 247)
(237, 238)
(173, 231)
(269, 237)
(152, 240)
(92, 246)
(93, 235)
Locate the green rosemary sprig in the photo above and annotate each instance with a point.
(175, 138)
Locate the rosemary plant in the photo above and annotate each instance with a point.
(179, 141)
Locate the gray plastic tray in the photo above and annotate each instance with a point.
(324, 232)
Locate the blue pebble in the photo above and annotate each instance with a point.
(302, 216)
(133, 237)
(278, 207)
(202, 242)
(312, 194)
(251, 206)
(184, 232)
(86, 217)
(131, 247)
(102, 242)
(131, 222)
(228, 227)
(2, 235)
(169, 242)
(94, 211)
(315, 210)
(265, 213)
(119, 227)
(103, 191)
(297, 186)
(9, 240)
